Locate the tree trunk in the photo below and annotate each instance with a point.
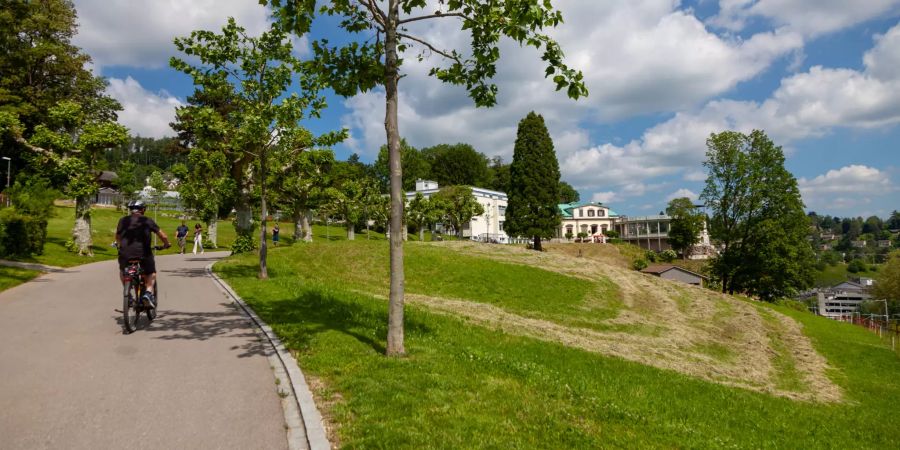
(81, 234)
(421, 234)
(391, 78)
(243, 222)
(263, 270)
(405, 232)
(351, 231)
(306, 220)
(212, 232)
(537, 244)
(296, 217)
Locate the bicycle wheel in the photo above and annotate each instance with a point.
(130, 308)
(151, 313)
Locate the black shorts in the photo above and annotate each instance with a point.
(147, 264)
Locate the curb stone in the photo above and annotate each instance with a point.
(304, 422)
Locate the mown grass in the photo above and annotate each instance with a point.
(465, 386)
(14, 276)
(838, 273)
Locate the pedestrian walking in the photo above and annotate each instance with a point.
(181, 234)
(275, 231)
(198, 238)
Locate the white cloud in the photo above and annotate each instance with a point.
(604, 197)
(809, 17)
(145, 113)
(140, 34)
(847, 187)
(682, 193)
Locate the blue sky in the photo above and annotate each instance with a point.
(822, 78)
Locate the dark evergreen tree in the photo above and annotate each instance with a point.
(533, 183)
(567, 193)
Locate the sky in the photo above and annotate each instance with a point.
(820, 77)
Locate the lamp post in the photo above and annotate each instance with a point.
(8, 163)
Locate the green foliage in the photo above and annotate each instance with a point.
(639, 264)
(243, 244)
(757, 215)
(667, 255)
(33, 196)
(458, 205)
(534, 182)
(414, 165)
(857, 265)
(127, 180)
(612, 234)
(650, 256)
(20, 234)
(686, 225)
(567, 194)
(888, 285)
(458, 164)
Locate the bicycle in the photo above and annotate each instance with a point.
(132, 303)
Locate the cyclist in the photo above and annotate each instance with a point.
(133, 240)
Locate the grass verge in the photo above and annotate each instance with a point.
(466, 386)
(14, 276)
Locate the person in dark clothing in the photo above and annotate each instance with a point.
(275, 232)
(133, 240)
(181, 234)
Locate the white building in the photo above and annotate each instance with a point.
(487, 227)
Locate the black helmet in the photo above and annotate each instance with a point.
(136, 205)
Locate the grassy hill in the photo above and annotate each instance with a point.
(511, 348)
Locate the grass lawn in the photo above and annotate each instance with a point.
(837, 274)
(467, 386)
(13, 276)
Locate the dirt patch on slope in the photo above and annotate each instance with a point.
(693, 331)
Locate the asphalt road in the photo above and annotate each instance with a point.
(197, 377)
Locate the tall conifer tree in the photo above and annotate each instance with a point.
(533, 183)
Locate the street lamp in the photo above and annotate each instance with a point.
(8, 162)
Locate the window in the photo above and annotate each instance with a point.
(580, 213)
(604, 228)
(593, 229)
(590, 213)
(501, 210)
(601, 213)
(501, 225)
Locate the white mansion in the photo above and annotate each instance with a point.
(487, 227)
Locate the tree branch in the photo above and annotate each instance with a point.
(430, 47)
(433, 16)
(377, 13)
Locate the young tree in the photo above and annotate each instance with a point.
(255, 72)
(757, 216)
(69, 146)
(205, 186)
(459, 206)
(686, 225)
(534, 183)
(127, 182)
(370, 61)
(419, 213)
(888, 286)
(349, 202)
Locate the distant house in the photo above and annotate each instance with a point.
(884, 243)
(487, 227)
(107, 178)
(827, 236)
(825, 247)
(591, 218)
(676, 273)
(858, 244)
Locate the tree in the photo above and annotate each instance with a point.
(415, 166)
(457, 164)
(302, 183)
(417, 213)
(686, 225)
(349, 202)
(127, 181)
(459, 206)
(255, 72)
(893, 223)
(757, 216)
(158, 184)
(888, 286)
(69, 146)
(205, 186)
(365, 61)
(534, 183)
(498, 173)
(872, 225)
(567, 194)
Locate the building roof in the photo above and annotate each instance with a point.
(107, 175)
(659, 269)
(566, 208)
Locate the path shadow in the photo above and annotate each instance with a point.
(203, 258)
(173, 325)
(197, 272)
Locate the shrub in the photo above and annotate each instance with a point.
(857, 265)
(33, 197)
(639, 264)
(668, 255)
(243, 244)
(611, 234)
(568, 235)
(650, 255)
(20, 234)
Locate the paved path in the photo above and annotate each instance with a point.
(69, 377)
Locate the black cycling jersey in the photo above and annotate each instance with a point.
(134, 232)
